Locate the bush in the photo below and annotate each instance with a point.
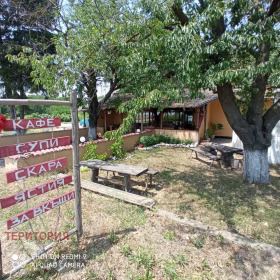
(36, 116)
(175, 141)
(188, 142)
(62, 112)
(91, 152)
(164, 139)
(147, 141)
(117, 149)
(152, 140)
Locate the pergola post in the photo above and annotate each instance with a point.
(161, 119)
(105, 121)
(142, 125)
(84, 118)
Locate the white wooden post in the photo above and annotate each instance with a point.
(1, 268)
(76, 165)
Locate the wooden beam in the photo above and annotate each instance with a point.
(22, 102)
(105, 121)
(161, 119)
(76, 165)
(122, 195)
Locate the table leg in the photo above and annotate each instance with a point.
(127, 183)
(94, 174)
(227, 159)
(151, 179)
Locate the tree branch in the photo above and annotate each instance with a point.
(271, 117)
(232, 112)
(113, 87)
(275, 5)
(178, 11)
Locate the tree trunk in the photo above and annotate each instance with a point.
(22, 108)
(12, 111)
(93, 117)
(252, 131)
(92, 130)
(255, 166)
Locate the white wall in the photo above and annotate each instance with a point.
(273, 150)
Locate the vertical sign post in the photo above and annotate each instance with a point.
(1, 270)
(76, 164)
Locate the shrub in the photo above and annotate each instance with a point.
(188, 142)
(35, 116)
(117, 148)
(175, 141)
(91, 152)
(62, 112)
(152, 140)
(147, 141)
(164, 139)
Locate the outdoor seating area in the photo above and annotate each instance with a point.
(125, 171)
(219, 153)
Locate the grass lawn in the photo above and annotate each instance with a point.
(216, 196)
(123, 241)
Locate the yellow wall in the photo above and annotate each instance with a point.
(217, 116)
(181, 134)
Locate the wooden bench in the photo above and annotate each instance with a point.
(206, 154)
(149, 180)
(115, 193)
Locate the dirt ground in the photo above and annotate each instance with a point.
(123, 241)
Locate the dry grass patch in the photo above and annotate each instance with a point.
(215, 196)
(123, 241)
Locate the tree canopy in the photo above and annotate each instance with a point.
(23, 23)
(153, 49)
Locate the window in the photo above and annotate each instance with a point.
(148, 118)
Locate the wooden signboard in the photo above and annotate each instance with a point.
(11, 125)
(35, 170)
(34, 146)
(33, 192)
(39, 210)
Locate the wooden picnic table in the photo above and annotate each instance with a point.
(226, 152)
(124, 170)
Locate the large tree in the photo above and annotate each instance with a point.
(235, 46)
(231, 47)
(99, 41)
(23, 23)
